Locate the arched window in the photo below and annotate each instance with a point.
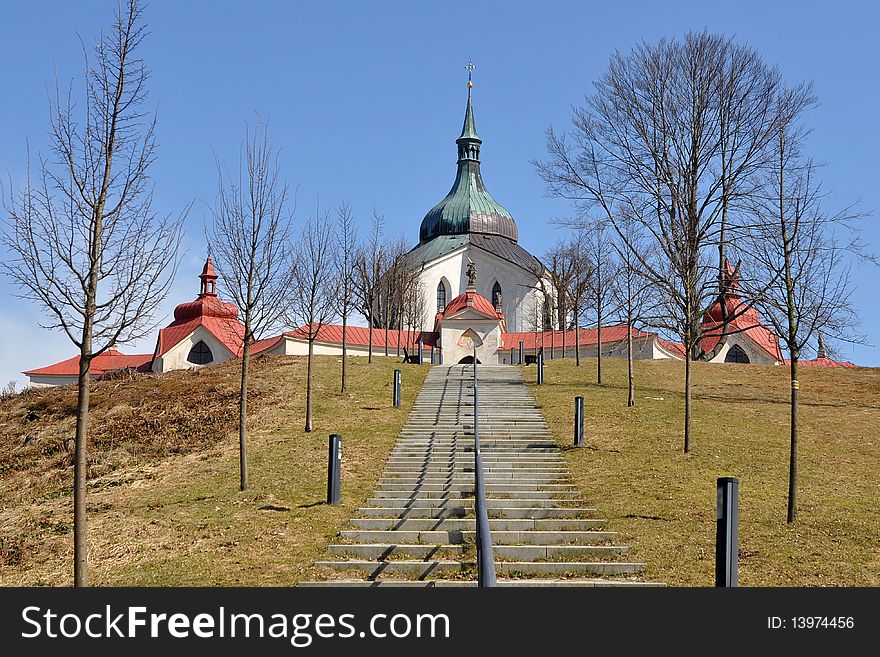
(496, 296)
(441, 297)
(736, 354)
(200, 354)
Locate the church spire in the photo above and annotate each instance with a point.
(209, 279)
(468, 142)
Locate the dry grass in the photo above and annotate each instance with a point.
(163, 493)
(662, 501)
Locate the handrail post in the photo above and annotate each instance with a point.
(485, 558)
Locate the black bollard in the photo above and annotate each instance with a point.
(521, 354)
(420, 351)
(727, 534)
(439, 356)
(433, 355)
(334, 468)
(540, 367)
(512, 356)
(578, 421)
(395, 395)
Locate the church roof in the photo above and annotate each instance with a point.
(532, 340)
(220, 319)
(824, 361)
(468, 207)
(474, 301)
(354, 335)
(501, 247)
(111, 359)
(747, 321)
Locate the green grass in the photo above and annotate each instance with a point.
(165, 509)
(662, 501)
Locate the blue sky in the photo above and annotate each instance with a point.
(365, 100)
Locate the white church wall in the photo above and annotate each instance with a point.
(175, 358)
(49, 380)
(290, 346)
(488, 331)
(643, 349)
(757, 356)
(518, 292)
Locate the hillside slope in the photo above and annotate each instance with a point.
(663, 501)
(163, 498)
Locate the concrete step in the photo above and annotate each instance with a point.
(496, 493)
(453, 511)
(422, 569)
(386, 551)
(505, 583)
(468, 503)
(502, 524)
(490, 487)
(499, 537)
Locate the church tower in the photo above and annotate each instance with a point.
(469, 224)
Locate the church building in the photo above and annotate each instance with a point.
(481, 289)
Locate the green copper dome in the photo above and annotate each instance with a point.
(468, 207)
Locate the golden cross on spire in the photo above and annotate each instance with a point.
(470, 69)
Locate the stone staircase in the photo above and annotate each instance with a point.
(419, 530)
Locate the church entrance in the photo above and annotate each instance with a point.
(469, 360)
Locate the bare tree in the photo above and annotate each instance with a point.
(796, 246)
(84, 239)
(632, 294)
(251, 239)
(414, 310)
(600, 286)
(559, 271)
(313, 299)
(369, 265)
(581, 275)
(346, 230)
(661, 143)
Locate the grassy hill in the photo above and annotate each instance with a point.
(662, 501)
(165, 507)
(163, 499)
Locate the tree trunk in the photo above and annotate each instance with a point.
(793, 457)
(631, 396)
(687, 397)
(344, 351)
(242, 410)
(399, 327)
(599, 351)
(599, 321)
(80, 534)
(309, 386)
(370, 338)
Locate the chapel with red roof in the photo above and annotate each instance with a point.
(467, 232)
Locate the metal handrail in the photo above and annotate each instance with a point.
(485, 557)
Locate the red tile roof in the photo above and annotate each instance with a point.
(673, 347)
(588, 336)
(360, 336)
(111, 359)
(748, 320)
(824, 362)
(230, 332)
(474, 301)
(220, 319)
